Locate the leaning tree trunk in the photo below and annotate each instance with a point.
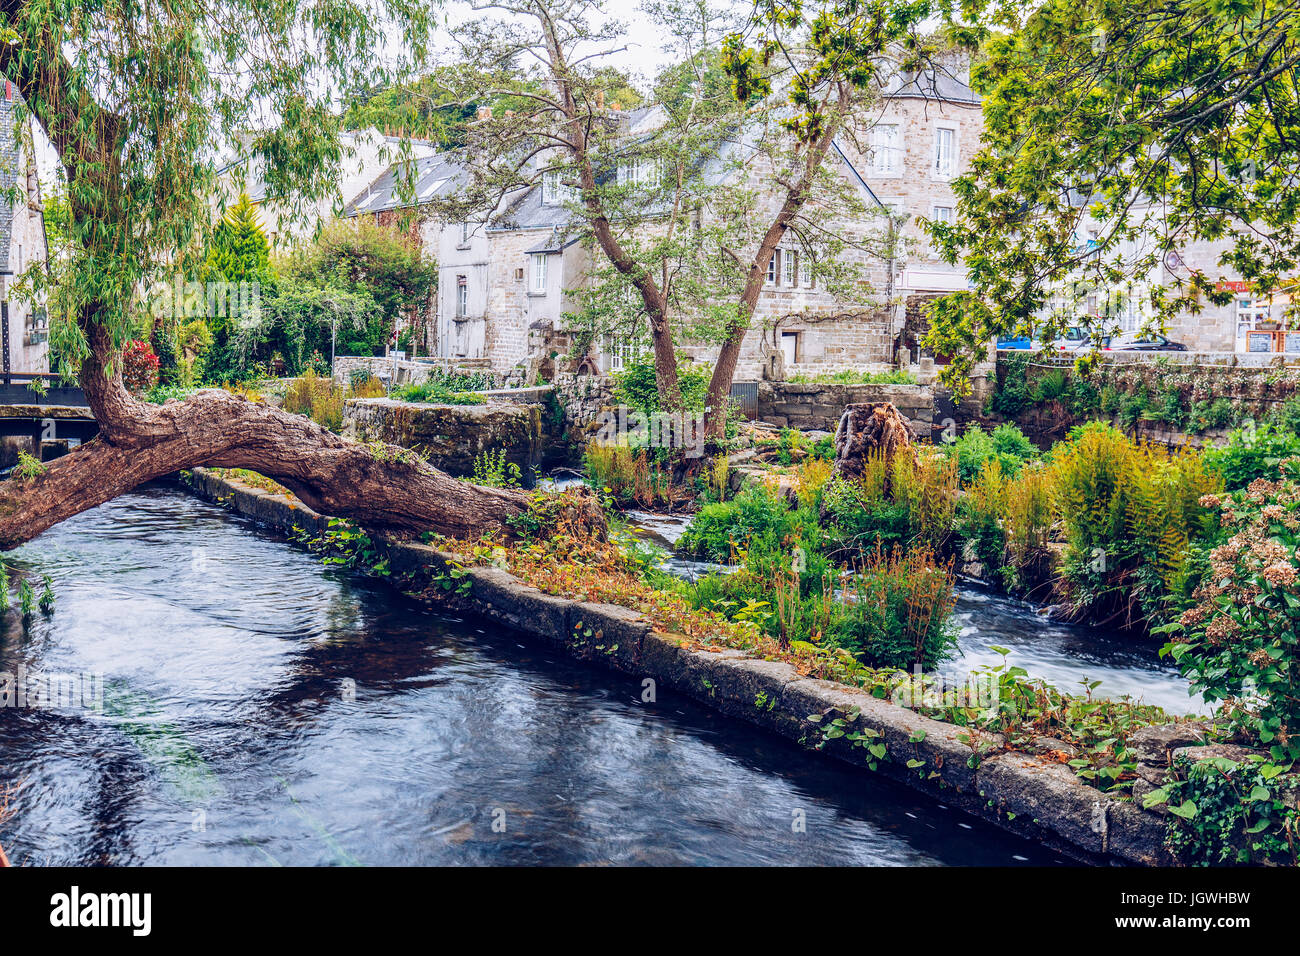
(867, 430)
(382, 487)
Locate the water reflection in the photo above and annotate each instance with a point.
(260, 709)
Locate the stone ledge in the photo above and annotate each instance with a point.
(1023, 794)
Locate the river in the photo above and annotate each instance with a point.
(261, 709)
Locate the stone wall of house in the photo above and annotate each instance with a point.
(411, 371)
(812, 406)
(582, 398)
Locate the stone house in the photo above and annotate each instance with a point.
(1247, 323)
(22, 242)
(506, 283)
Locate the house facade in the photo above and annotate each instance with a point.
(22, 243)
(1247, 323)
(506, 283)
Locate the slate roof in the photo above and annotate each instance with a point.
(530, 213)
(434, 176)
(946, 84)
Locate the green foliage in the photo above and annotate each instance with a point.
(975, 447)
(29, 467)
(436, 392)
(1225, 812)
(637, 388)
(1255, 452)
(1129, 512)
(719, 531)
(238, 252)
(897, 612)
(1240, 641)
(1068, 89)
(492, 470)
(861, 519)
(362, 259)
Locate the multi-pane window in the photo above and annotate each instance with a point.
(945, 153)
(554, 192)
(942, 214)
(886, 151)
(464, 233)
(539, 273)
(774, 269)
(790, 267)
(640, 171)
(462, 297)
(621, 350)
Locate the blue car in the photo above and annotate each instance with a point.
(1020, 342)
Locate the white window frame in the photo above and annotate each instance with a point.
(551, 189)
(462, 296)
(773, 277)
(886, 150)
(621, 350)
(944, 166)
(790, 268)
(949, 214)
(642, 171)
(537, 285)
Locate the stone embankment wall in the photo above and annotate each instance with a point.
(1255, 385)
(453, 436)
(812, 406)
(1032, 796)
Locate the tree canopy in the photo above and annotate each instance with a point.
(1164, 123)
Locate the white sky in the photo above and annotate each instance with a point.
(642, 59)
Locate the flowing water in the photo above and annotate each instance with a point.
(1062, 654)
(259, 709)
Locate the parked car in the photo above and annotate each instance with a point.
(1142, 342)
(1074, 338)
(1019, 342)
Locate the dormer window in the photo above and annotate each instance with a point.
(639, 171)
(554, 192)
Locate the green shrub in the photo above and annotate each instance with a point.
(637, 387)
(718, 530)
(1254, 452)
(850, 377)
(896, 612)
(1241, 641)
(435, 393)
(860, 520)
(975, 447)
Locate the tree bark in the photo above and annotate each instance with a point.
(797, 194)
(382, 487)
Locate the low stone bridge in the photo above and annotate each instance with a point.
(41, 416)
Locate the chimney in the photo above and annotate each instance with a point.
(600, 99)
(484, 113)
(9, 90)
(614, 106)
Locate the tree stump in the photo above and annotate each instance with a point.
(869, 429)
